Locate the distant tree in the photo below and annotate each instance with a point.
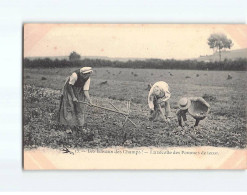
(218, 41)
(74, 56)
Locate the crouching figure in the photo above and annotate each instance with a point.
(197, 107)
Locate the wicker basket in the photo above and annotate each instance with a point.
(198, 110)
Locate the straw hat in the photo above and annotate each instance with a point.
(85, 70)
(184, 103)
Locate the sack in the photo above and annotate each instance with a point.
(198, 110)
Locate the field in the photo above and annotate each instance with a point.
(231, 54)
(225, 125)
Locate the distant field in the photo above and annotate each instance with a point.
(225, 125)
(231, 54)
(125, 83)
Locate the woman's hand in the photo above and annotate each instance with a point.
(88, 97)
(75, 99)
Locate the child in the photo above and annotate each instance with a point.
(198, 111)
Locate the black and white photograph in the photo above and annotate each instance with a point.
(134, 96)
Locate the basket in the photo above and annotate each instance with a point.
(198, 110)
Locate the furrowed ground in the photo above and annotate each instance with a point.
(225, 125)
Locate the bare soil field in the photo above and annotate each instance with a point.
(225, 125)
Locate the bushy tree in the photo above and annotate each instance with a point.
(218, 41)
(74, 56)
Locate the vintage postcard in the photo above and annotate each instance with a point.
(134, 96)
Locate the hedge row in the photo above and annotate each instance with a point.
(239, 64)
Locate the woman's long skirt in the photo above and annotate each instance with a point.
(72, 113)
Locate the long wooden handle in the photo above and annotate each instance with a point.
(127, 118)
(116, 111)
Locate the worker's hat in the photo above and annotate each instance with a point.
(85, 70)
(184, 103)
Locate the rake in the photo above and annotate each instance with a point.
(115, 111)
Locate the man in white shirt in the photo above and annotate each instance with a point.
(158, 98)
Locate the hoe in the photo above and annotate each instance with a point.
(115, 110)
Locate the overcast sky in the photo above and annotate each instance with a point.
(130, 41)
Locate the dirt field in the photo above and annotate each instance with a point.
(225, 125)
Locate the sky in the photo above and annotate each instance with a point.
(164, 41)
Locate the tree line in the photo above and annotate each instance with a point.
(227, 64)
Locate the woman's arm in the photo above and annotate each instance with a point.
(86, 90)
(88, 96)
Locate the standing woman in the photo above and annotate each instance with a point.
(76, 88)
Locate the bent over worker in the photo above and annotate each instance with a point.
(76, 88)
(197, 107)
(158, 98)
